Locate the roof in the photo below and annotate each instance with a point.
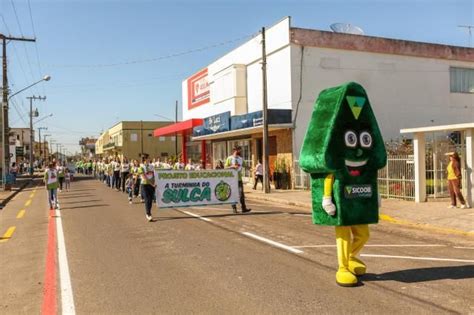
(455, 127)
(178, 127)
(242, 132)
(324, 39)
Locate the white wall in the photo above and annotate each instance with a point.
(404, 91)
(249, 54)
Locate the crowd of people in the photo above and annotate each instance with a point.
(137, 179)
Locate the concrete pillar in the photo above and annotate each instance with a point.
(419, 144)
(469, 166)
(203, 154)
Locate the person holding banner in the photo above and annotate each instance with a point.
(147, 174)
(236, 162)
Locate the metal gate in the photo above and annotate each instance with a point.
(397, 179)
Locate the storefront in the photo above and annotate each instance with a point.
(197, 151)
(224, 131)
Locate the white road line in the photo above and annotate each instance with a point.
(376, 245)
(273, 243)
(418, 258)
(67, 298)
(196, 216)
(461, 247)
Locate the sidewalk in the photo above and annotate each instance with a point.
(7, 195)
(432, 215)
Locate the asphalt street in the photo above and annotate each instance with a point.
(208, 260)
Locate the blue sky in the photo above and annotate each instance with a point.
(74, 38)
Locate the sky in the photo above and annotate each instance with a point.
(113, 60)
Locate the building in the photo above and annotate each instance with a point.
(20, 144)
(41, 150)
(134, 139)
(409, 84)
(88, 147)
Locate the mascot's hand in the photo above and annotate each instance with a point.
(329, 206)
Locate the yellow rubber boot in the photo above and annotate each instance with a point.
(361, 236)
(344, 277)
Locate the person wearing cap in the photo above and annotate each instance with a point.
(454, 180)
(236, 162)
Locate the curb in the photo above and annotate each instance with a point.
(13, 194)
(382, 217)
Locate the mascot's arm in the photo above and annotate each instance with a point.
(328, 205)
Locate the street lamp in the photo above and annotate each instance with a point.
(43, 118)
(5, 128)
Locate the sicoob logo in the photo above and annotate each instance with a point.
(358, 191)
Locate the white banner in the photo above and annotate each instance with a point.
(196, 188)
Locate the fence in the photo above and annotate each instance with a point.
(396, 180)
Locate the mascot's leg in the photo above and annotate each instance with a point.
(344, 277)
(361, 236)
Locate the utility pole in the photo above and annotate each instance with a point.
(266, 168)
(32, 137)
(4, 123)
(45, 146)
(39, 137)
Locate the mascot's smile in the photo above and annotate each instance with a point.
(353, 167)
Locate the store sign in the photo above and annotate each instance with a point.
(213, 124)
(198, 89)
(176, 189)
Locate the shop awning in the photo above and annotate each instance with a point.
(178, 127)
(242, 132)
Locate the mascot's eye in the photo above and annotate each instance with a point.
(365, 139)
(351, 139)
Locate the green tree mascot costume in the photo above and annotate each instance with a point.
(342, 150)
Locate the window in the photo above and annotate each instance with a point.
(462, 80)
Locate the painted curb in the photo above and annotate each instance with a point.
(383, 217)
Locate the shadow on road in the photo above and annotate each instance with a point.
(217, 215)
(82, 201)
(81, 207)
(69, 196)
(424, 274)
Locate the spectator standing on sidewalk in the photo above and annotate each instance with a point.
(51, 182)
(148, 185)
(236, 162)
(117, 170)
(454, 180)
(258, 174)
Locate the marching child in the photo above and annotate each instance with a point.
(67, 178)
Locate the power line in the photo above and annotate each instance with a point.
(24, 46)
(36, 44)
(139, 61)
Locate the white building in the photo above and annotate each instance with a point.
(409, 84)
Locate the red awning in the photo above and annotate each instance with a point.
(178, 127)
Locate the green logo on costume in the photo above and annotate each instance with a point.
(358, 191)
(356, 103)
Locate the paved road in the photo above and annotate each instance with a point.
(218, 262)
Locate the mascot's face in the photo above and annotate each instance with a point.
(358, 145)
(354, 142)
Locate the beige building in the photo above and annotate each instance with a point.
(134, 139)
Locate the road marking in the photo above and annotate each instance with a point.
(461, 247)
(8, 234)
(273, 243)
(21, 214)
(67, 298)
(32, 195)
(196, 216)
(418, 258)
(376, 245)
(28, 203)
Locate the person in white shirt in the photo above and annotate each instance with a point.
(124, 172)
(189, 166)
(116, 179)
(258, 175)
